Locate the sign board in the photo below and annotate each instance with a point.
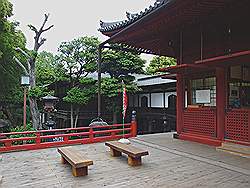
(203, 96)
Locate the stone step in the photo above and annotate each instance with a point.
(236, 149)
(236, 146)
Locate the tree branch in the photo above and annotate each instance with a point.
(44, 30)
(33, 28)
(44, 22)
(42, 40)
(38, 43)
(21, 65)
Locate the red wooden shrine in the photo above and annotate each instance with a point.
(211, 41)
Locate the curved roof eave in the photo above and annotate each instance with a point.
(111, 28)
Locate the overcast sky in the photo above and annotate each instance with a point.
(71, 18)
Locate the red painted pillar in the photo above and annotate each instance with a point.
(180, 89)
(248, 125)
(24, 107)
(91, 135)
(133, 128)
(220, 102)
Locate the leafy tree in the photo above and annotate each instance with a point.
(81, 94)
(159, 62)
(119, 65)
(49, 69)
(10, 71)
(79, 58)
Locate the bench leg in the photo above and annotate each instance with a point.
(134, 161)
(83, 171)
(115, 153)
(63, 161)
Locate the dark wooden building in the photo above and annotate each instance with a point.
(155, 104)
(211, 42)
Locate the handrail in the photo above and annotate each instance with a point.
(57, 137)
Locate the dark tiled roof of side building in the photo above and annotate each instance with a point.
(131, 18)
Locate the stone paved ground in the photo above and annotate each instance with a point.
(171, 163)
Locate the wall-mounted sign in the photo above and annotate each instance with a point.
(203, 96)
(236, 72)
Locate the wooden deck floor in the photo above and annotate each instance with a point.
(171, 163)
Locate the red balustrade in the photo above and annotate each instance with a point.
(57, 137)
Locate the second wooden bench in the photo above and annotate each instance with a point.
(134, 153)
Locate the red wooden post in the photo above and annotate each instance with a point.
(91, 135)
(248, 125)
(133, 124)
(180, 102)
(220, 101)
(8, 144)
(38, 139)
(112, 134)
(24, 107)
(133, 128)
(66, 139)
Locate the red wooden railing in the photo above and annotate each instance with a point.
(57, 137)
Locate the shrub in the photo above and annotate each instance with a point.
(22, 129)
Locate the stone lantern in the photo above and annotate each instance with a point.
(49, 102)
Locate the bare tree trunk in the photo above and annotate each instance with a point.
(77, 115)
(35, 115)
(39, 41)
(71, 116)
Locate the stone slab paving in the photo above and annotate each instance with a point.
(209, 152)
(162, 168)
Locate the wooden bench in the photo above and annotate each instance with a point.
(78, 162)
(134, 154)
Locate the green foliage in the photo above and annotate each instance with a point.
(39, 91)
(10, 72)
(112, 87)
(10, 38)
(117, 63)
(49, 69)
(22, 129)
(87, 81)
(79, 56)
(159, 62)
(5, 9)
(81, 94)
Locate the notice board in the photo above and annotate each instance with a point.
(203, 96)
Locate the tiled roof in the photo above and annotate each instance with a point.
(131, 18)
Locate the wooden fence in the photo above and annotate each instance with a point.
(16, 141)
